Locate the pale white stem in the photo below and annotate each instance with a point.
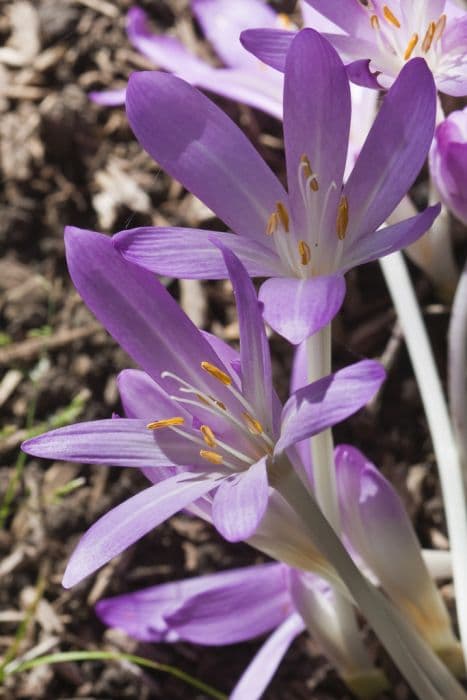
(449, 466)
(422, 669)
(457, 368)
(318, 349)
(324, 475)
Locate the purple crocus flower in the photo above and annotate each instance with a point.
(220, 422)
(303, 240)
(234, 606)
(222, 608)
(243, 78)
(241, 604)
(387, 35)
(448, 162)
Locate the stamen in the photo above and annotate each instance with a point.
(212, 457)
(165, 423)
(217, 373)
(304, 251)
(439, 28)
(308, 173)
(410, 46)
(284, 20)
(342, 217)
(306, 165)
(253, 425)
(283, 215)
(273, 222)
(208, 435)
(374, 21)
(430, 32)
(391, 17)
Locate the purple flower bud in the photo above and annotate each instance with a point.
(448, 162)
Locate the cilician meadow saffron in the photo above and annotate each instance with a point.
(240, 604)
(306, 239)
(244, 78)
(386, 35)
(222, 424)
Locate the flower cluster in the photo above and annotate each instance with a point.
(202, 421)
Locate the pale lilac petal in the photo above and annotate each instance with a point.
(353, 18)
(190, 254)
(360, 74)
(108, 98)
(314, 19)
(316, 124)
(255, 359)
(131, 520)
(394, 151)
(248, 84)
(164, 51)
(390, 238)
(254, 602)
(329, 401)
(351, 50)
(202, 148)
(139, 313)
(380, 531)
(269, 45)
(257, 86)
(222, 608)
(259, 673)
(297, 308)
(222, 21)
(119, 442)
(240, 502)
(142, 398)
(448, 162)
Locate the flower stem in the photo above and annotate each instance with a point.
(426, 674)
(449, 466)
(324, 474)
(457, 368)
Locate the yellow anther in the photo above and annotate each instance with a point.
(430, 32)
(208, 435)
(253, 425)
(212, 457)
(374, 21)
(410, 46)
(308, 172)
(304, 251)
(273, 222)
(342, 218)
(306, 165)
(284, 20)
(165, 423)
(219, 404)
(283, 215)
(439, 28)
(391, 17)
(217, 373)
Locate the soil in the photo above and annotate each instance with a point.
(67, 161)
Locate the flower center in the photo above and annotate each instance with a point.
(399, 40)
(246, 443)
(315, 254)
